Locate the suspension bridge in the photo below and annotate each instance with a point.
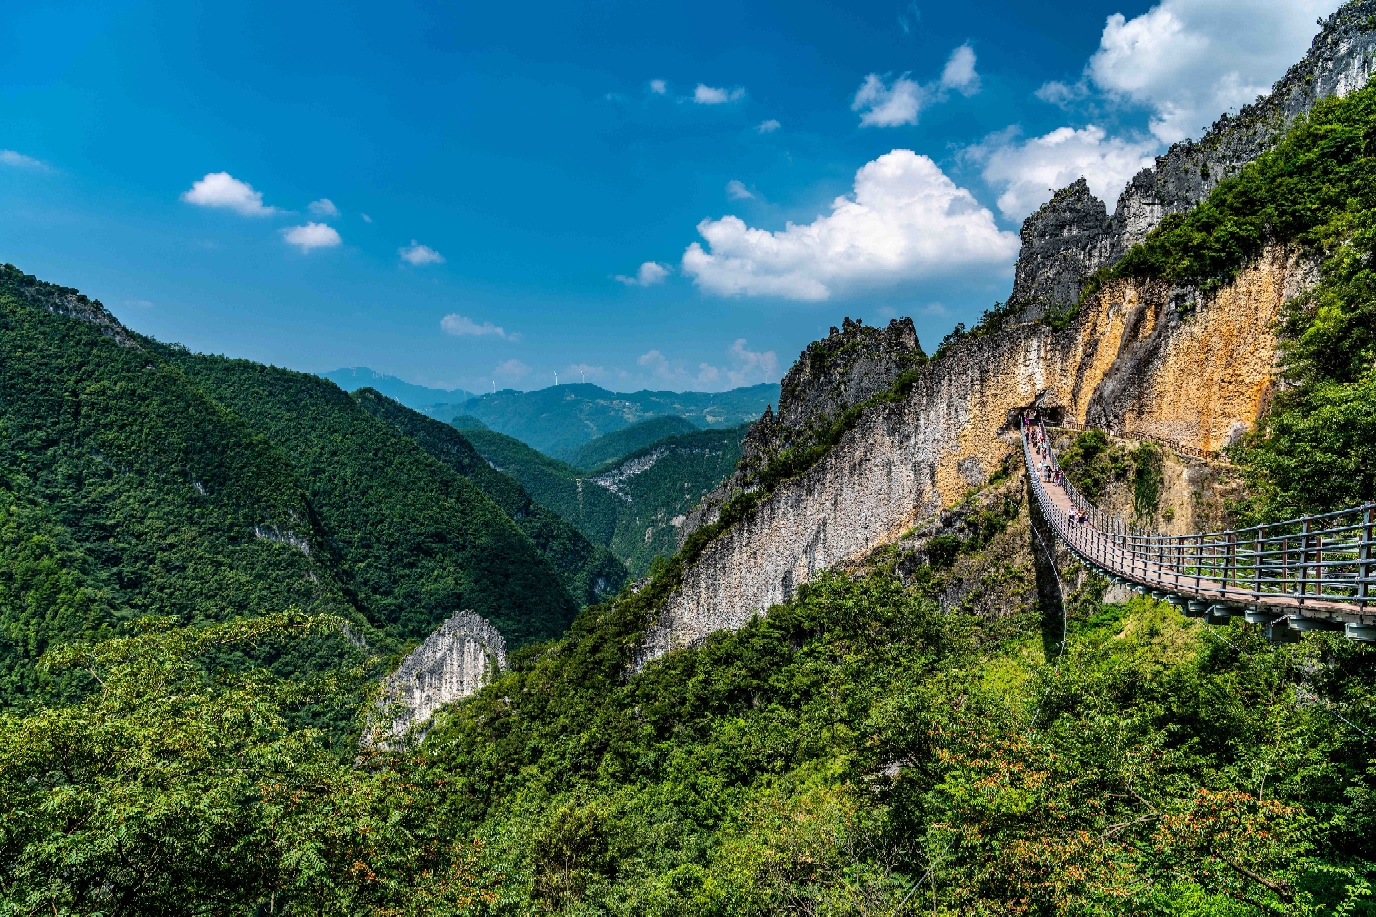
(1308, 574)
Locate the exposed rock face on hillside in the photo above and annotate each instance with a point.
(1071, 236)
(455, 661)
(848, 366)
(1141, 358)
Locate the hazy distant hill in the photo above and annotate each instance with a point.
(623, 442)
(440, 403)
(563, 417)
(633, 504)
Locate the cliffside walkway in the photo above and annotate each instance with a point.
(1312, 573)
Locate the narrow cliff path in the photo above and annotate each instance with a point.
(1312, 573)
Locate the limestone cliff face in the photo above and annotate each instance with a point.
(1142, 357)
(1072, 235)
(455, 661)
(850, 365)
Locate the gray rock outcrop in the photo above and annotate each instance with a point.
(461, 656)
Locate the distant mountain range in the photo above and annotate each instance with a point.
(561, 418)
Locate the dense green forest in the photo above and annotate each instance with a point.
(633, 504)
(612, 446)
(590, 572)
(417, 541)
(131, 493)
(965, 731)
(141, 480)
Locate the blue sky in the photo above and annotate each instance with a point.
(461, 194)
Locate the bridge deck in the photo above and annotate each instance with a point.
(1182, 566)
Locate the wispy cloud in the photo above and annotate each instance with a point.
(222, 190)
(882, 102)
(20, 161)
(737, 191)
(418, 254)
(909, 18)
(768, 127)
(323, 208)
(511, 369)
(659, 87)
(463, 326)
(649, 274)
(712, 95)
(311, 236)
(743, 367)
(959, 73)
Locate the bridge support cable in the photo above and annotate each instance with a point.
(1312, 573)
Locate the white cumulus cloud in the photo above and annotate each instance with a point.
(649, 274)
(220, 189)
(737, 191)
(659, 87)
(769, 127)
(1028, 170)
(712, 95)
(311, 236)
(323, 208)
(959, 73)
(418, 254)
(906, 220)
(461, 326)
(1188, 61)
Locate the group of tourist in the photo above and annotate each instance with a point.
(1050, 474)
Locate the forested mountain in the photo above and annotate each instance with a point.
(612, 446)
(589, 572)
(633, 504)
(551, 483)
(131, 492)
(417, 541)
(563, 417)
(145, 480)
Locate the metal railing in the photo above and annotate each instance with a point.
(1317, 567)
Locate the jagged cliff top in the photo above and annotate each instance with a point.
(847, 366)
